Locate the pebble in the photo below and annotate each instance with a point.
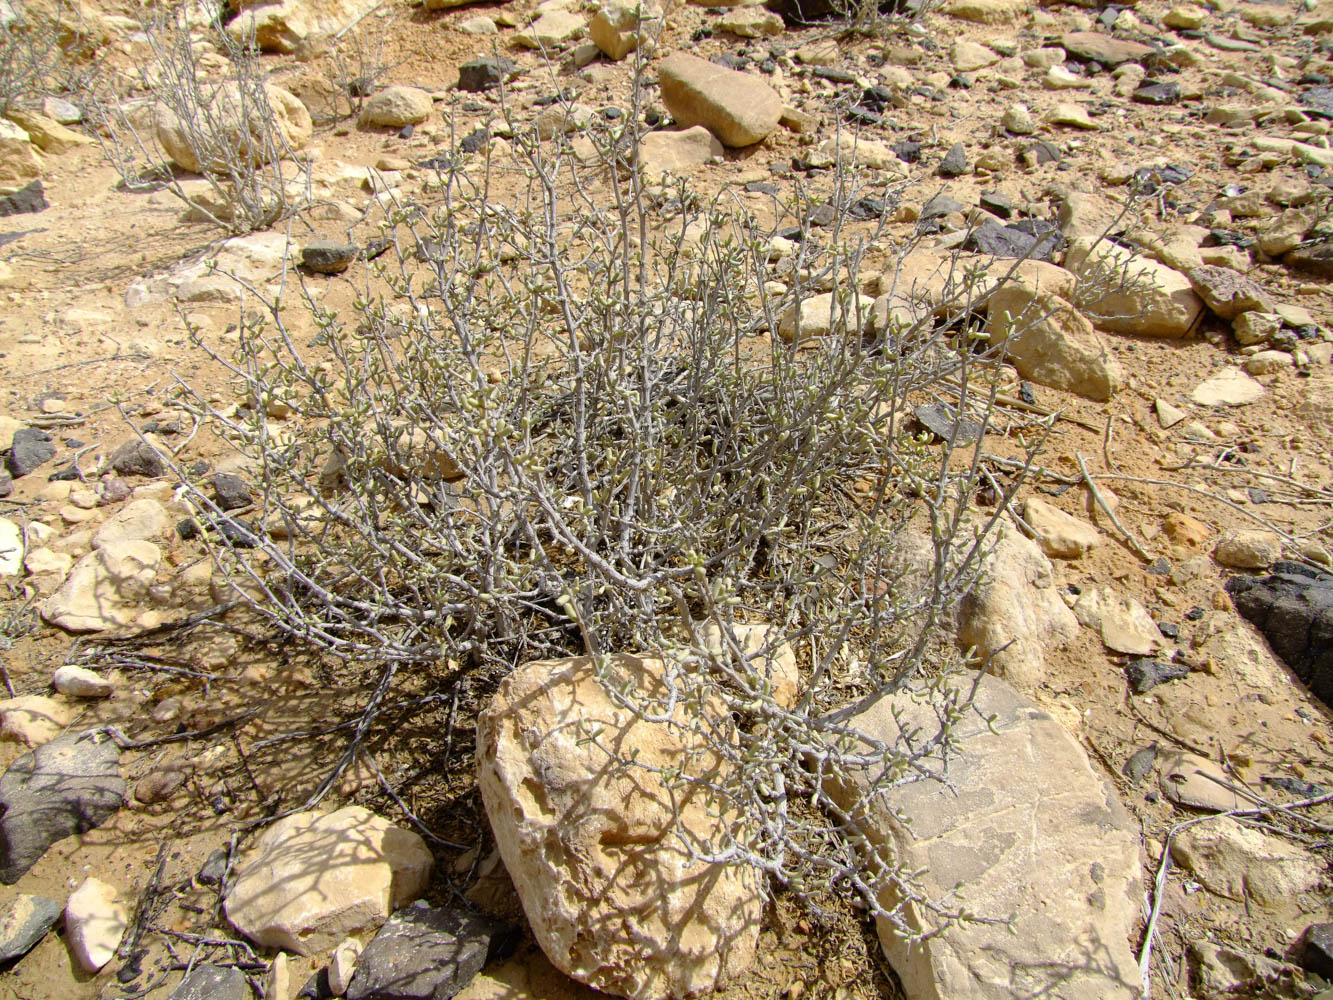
(80, 682)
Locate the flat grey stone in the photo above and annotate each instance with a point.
(328, 256)
(31, 449)
(213, 982)
(1023, 829)
(422, 953)
(24, 921)
(70, 785)
(941, 420)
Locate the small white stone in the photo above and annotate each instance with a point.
(342, 964)
(95, 921)
(80, 682)
(11, 548)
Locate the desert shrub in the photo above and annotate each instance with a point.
(207, 112)
(556, 423)
(358, 62)
(43, 52)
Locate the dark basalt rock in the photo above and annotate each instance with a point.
(1293, 607)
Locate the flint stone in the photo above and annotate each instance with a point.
(1145, 674)
(1015, 241)
(24, 921)
(1022, 826)
(213, 982)
(231, 491)
(328, 256)
(944, 422)
(1316, 259)
(1317, 950)
(70, 785)
(1293, 608)
(138, 458)
(954, 163)
(485, 74)
(32, 448)
(422, 953)
(1157, 93)
(26, 200)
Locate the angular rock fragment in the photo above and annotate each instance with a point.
(312, 879)
(1024, 827)
(70, 785)
(422, 953)
(592, 841)
(738, 108)
(24, 921)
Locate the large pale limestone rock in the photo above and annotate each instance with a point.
(394, 107)
(143, 520)
(1060, 535)
(238, 137)
(826, 314)
(993, 12)
(19, 163)
(618, 27)
(312, 879)
(926, 281)
(1248, 548)
(1231, 387)
(676, 152)
(552, 29)
(1125, 293)
(1124, 623)
(592, 842)
(851, 148)
(34, 719)
(1019, 825)
(1014, 613)
(106, 589)
(1243, 863)
(95, 921)
(1199, 783)
(773, 662)
(738, 108)
(47, 134)
(1051, 343)
(80, 682)
(283, 26)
